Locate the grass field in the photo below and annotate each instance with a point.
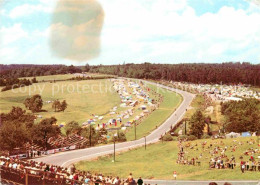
(82, 105)
(51, 77)
(171, 101)
(159, 162)
(62, 77)
(83, 98)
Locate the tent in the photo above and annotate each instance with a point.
(232, 135)
(246, 134)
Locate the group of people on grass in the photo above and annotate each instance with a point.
(217, 153)
(15, 170)
(181, 155)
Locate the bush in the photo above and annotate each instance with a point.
(189, 138)
(192, 138)
(205, 137)
(167, 137)
(119, 138)
(182, 137)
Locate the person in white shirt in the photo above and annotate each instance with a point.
(14, 166)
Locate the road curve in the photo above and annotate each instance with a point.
(67, 158)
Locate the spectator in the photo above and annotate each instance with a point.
(140, 181)
(175, 175)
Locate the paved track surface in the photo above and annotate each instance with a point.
(67, 158)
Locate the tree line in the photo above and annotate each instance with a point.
(226, 73)
(20, 71)
(13, 83)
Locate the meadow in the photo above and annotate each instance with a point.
(83, 97)
(63, 77)
(158, 161)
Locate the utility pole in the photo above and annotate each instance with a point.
(45, 137)
(145, 142)
(185, 122)
(90, 135)
(114, 149)
(115, 135)
(135, 130)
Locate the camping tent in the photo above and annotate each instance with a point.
(232, 135)
(246, 134)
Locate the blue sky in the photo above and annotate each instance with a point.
(159, 31)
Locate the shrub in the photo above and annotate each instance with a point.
(205, 136)
(192, 138)
(167, 137)
(182, 137)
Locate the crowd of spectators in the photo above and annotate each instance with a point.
(216, 151)
(15, 171)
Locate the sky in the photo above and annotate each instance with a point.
(130, 31)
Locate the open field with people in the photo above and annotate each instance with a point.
(158, 161)
(95, 100)
(83, 98)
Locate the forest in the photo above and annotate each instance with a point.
(226, 73)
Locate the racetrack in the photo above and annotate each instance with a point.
(67, 158)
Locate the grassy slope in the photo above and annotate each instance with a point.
(170, 102)
(80, 105)
(159, 162)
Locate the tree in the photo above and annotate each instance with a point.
(56, 105)
(59, 106)
(93, 135)
(87, 67)
(15, 128)
(197, 124)
(44, 130)
(34, 80)
(72, 127)
(120, 137)
(63, 105)
(13, 134)
(34, 103)
(242, 116)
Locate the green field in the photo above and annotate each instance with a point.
(170, 102)
(87, 100)
(62, 77)
(159, 162)
(95, 100)
(52, 77)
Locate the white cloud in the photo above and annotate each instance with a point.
(162, 31)
(12, 34)
(29, 9)
(171, 30)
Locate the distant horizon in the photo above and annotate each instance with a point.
(136, 63)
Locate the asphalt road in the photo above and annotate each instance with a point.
(67, 158)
